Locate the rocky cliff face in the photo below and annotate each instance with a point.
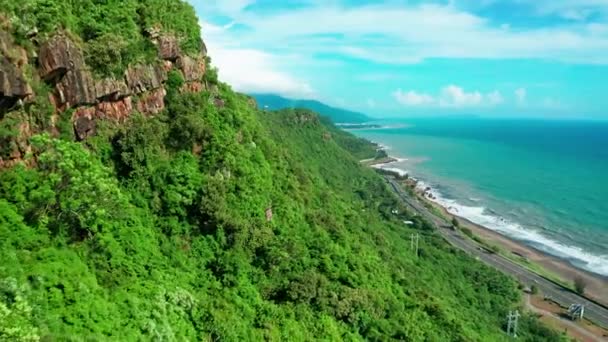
(59, 62)
(13, 86)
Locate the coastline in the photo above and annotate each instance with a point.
(530, 256)
(538, 261)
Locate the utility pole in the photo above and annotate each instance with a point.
(414, 241)
(512, 318)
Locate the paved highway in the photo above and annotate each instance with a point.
(593, 312)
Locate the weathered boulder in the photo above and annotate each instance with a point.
(142, 78)
(59, 55)
(168, 47)
(152, 102)
(192, 69)
(76, 88)
(110, 89)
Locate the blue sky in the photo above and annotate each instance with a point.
(532, 58)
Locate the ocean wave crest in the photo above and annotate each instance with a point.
(487, 218)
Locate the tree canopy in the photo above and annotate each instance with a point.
(157, 229)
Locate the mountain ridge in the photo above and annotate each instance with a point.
(143, 199)
(337, 115)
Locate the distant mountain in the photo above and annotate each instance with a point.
(337, 115)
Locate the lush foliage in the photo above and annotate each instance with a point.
(139, 236)
(112, 32)
(158, 230)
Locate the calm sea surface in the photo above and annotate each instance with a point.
(542, 182)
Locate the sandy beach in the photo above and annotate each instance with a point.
(597, 286)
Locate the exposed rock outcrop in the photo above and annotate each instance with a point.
(192, 87)
(61, 63)
(59, 55)
(13, 86)
(168, 47)
(115, 110)
(76, 88)
(142, 78)
(110, 89)
(84, 122)
(152, 103)
(192, 69)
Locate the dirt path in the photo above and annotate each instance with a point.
(573, 329)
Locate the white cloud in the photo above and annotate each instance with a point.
(371, 103)
(576, 10)
(520, 96)
(392, 33)
(450, 96)
(412, 98)
(454, 96)
(250, 70)
(495, 98)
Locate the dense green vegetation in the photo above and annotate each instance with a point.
(157, 230)
(134, 235)
(111, 32)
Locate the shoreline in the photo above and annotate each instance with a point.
(538, 261)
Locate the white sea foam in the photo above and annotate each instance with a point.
(389, 166)
(483, 217)
(400, 172)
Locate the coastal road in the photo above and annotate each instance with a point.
(564, 297)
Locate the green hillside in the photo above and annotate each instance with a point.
(337, 115)
(214, 221)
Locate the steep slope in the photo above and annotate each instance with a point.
(207, 219)
(337, 115)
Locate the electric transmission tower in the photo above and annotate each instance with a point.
(512, 318)
(576, 311)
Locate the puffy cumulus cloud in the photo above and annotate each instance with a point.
(495, 98)
(251, 70)
(455, 96)
(450, 96)
(521, 96)
(413, 98)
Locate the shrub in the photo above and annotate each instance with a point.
(580, 285)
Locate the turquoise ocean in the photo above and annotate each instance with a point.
(544, 183)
